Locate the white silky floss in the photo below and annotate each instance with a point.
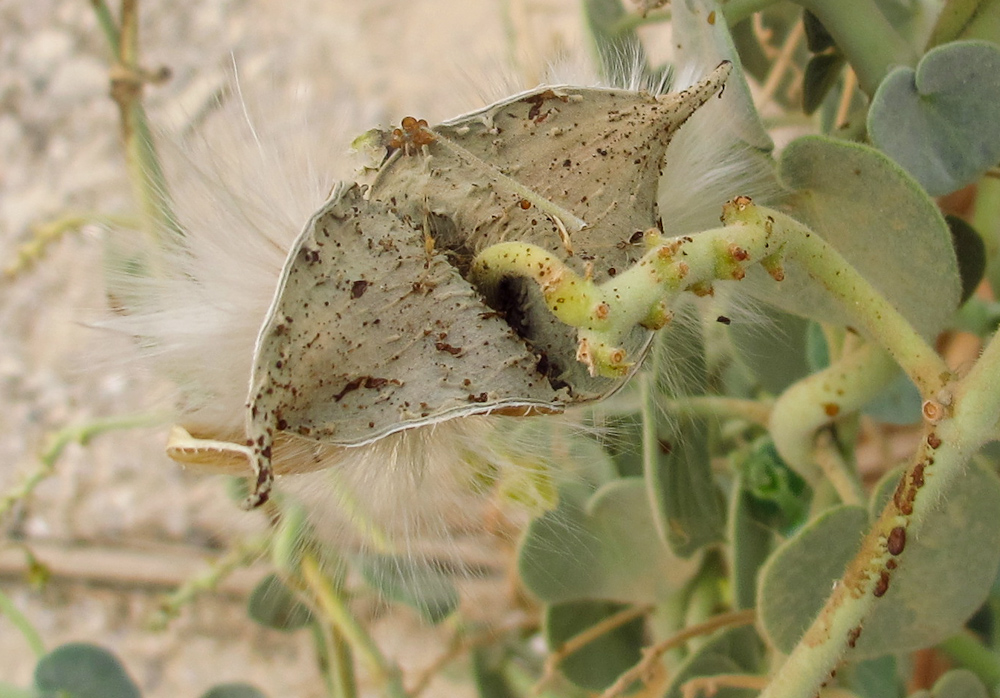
(210, 322)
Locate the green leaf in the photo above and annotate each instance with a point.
(596, 665)
(233, 690)
(967, 19)
(971, 252)
(939, 121)
(945, 571)
(274, 605)
(822, 73)
(616, 48)
(959, 683)
(779, 497)
(687, 504)
(797, 579)
(700, 42)
(818, 39)
(872, 678)
(899, 403)
(879, 219)
(413, 582)
(606, 547)
(774, 350)
(733, 651)
(750, 544)
(487, 673)
(82, 670)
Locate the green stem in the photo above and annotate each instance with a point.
(335, 660)
(21, 622)
(816, 401)
(868, 308)
(755, 411)
(967, 651)
(962, 421)
(986, 220)
(861, 31)
(642, 295)
(81, 434)
(239, 556)
(108, 26)
(335, 609)
(735, 11)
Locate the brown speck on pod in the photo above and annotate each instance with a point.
(358, 289)
(711, 18)
(882, 585)
(896, 540)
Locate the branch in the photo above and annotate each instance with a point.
(957, 423)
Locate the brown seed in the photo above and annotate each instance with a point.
(882, 585)
(896, 541)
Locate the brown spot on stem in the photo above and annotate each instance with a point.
(896, 541)
(882, 585)
(831, 409)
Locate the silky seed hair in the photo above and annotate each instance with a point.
(242, 195)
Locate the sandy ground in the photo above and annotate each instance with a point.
(117, 522)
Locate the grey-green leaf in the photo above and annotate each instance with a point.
(879, 219)
(413, 582)
(596, 665)
(939, 120)
(687, 504)
(798, 578)
(732, 651)
(82, 670)
(274, 605)
(959, 683)
(607, 548)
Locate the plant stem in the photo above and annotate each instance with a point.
(818, 399)
(81, 434)
(127, 80)
(21, 622)
(642, 295)
(962, 421)
(735, 11)
(861, 31)
(967, 651)
(335, 609)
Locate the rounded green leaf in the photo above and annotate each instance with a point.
(608, 549)
(939, 121)
(732, 651)
(971, 252)
(413, 582)
(797, 580)
(822, 73)
(879, 219)
(687, 505)
(233, 690)
(81, 670)
(773, 350)
(274, 605)
(596, 665)
(959, 683)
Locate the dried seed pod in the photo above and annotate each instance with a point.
(588, 163)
